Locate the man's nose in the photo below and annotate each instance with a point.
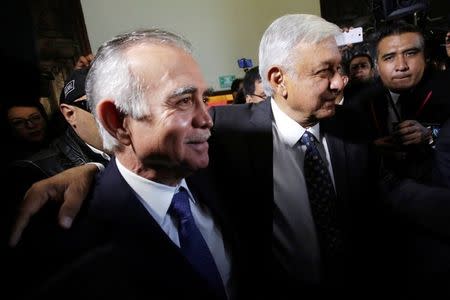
(202, 118)
(400, 63)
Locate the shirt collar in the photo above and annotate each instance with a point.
(98, 151)
(156, 197)
(394, 97)
(290, 131)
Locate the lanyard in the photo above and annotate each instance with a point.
(424, 102)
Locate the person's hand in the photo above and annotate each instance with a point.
(69, 188)
(386, 142)
(346, 47)
(412, 132)
(388, 147)
(84, 61)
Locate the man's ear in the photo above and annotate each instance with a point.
(277, 80)
(113, 121)
(69, 114)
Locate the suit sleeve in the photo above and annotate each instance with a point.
(423, 205)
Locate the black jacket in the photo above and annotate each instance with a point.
(64, 152)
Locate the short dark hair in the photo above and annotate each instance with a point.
(397, 28)
(249, 80)
(361, 54)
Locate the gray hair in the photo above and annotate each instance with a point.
(283, 35)
(111, 76)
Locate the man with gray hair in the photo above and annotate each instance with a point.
(282, 143)
(147, 230)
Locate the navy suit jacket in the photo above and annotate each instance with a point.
(242, 134)
(114, 250)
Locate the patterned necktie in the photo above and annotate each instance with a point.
(192, 244)
(322, 200)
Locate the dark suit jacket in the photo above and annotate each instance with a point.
(115, 250)
(428, 103)
(441, 167)
(64, 152)
(242, 134)
(420, 233)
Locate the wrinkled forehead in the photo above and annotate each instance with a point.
(154, 58)
(326, 45)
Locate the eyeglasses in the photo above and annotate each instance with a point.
(83, 104)
(20, 123)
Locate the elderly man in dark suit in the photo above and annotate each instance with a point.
(148, 230)
(313, 244)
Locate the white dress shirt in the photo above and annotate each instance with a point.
(392, 116)
(157, 198)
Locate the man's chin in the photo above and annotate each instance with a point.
(327, 111)
(199, 164)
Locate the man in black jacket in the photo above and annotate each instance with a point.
(406, 103)
(79, 144)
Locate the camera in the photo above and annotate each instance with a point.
(434, 128)
(245, 63)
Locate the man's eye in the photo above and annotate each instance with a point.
(411, 53)
(18, 123)
(185, 100)
(324, 72)
(205, 99)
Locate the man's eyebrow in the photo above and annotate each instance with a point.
(414, 48)
(183, 91)
(388, 54)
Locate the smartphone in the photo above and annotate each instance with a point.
(353, 36)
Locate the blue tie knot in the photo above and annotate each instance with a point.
(179, 207)
(308, 139)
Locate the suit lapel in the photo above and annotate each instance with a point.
(130, 224)
(338, 155)
(338, 159)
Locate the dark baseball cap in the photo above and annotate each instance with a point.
(74, 87)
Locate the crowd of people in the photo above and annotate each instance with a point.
(284, 196)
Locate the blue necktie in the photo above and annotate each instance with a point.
(322, 200)
(192, 244)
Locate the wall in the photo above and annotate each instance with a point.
(220, 31)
